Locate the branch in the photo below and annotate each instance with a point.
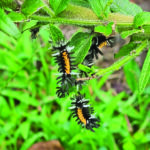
(120, 63)
(77, 15)
(79, 22)
(84, 17)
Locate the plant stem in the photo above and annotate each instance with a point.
(119, 25)
(79, 22)
(48, 10)
(81, 16)
(118, 64)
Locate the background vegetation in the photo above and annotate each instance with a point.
(31, 112)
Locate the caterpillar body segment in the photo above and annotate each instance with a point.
(65, 66)
(83, 112)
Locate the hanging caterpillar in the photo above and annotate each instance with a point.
(83, 112)
(65, 62)
(98, 42)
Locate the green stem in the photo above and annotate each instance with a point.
(118, 64)
(81, 16)
(119, 25)
(79, 22)
(48, 10)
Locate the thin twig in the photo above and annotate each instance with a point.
(128, 124)
(87, 78)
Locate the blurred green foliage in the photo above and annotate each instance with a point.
(31, 112)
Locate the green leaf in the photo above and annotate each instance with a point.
(29, 25)
(132, 74)
(116, 123)
(8, 4)
(83, 3)
(31, 6)
(56, 34)
(103, 148)
(103, 80)
(25, 98)
(105, 30)
(145, 74)
(132, 112)
(86, 69)
(5, 110)
(111, 106)
(125, 34)
(81, 42)
(125, 7)
(7, 41)
(24, 129)
(128, 145)
(100, 7)
(126, 49)
(9, 61)
(26, 50)
(58, 5)
(140, 137)
(16, 17)
(7, 25)
(141, 19)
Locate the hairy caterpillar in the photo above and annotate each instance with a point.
(83, 112)
(65, 62)
(98, 42)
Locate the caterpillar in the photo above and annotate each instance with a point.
(65, 62)
(98, 42)
(83, 112)
(34, 32)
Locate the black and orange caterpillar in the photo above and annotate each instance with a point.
(98, 42)
(83, 112)
(65, 62)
